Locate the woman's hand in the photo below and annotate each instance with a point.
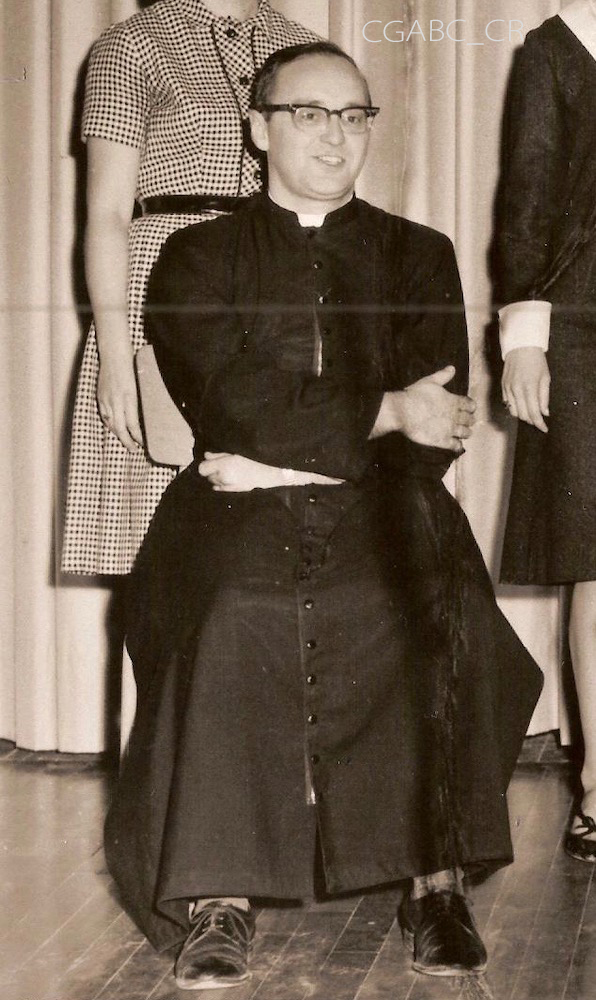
(111, 184)
(117, 401)
(236, 474)
(526, 385)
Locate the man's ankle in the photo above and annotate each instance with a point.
(448, 880)
(199, 904)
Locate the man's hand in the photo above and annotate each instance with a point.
(526, 385)
(425, 412)
(236, 474)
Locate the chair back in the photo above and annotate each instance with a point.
(168, 438)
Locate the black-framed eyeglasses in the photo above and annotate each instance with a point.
(314, 118)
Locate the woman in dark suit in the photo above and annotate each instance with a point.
(546, 250)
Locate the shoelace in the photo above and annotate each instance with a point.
(215, 918)
(588, 824)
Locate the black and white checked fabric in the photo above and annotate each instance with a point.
(173, 81)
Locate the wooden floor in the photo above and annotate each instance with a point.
(64, 937)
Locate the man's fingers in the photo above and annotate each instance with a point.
(207, 468)
(443, 376)
(465, 418)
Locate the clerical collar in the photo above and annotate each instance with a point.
(315, 220)
(311, 221)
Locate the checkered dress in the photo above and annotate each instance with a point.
(172, 81)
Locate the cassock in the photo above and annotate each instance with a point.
(323, 674)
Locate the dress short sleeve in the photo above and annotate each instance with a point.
(117, 94)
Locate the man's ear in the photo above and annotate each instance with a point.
(259, 130)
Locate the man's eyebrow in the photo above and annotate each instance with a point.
(315, 102)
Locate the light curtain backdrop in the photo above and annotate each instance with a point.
(434, 159)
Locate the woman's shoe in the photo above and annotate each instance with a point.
(578, 843)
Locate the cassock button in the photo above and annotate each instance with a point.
(311, 680)
(311, 644)
(312, 719)
(322, 300)
(309, 604)
(312, 498)
(317, 265)
(315, 759)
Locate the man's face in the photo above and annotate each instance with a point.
(313, 172)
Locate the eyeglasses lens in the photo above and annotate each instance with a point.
(315, 119)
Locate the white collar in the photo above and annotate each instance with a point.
(314, 221)
(307, 220)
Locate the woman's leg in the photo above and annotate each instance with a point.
(582, 644)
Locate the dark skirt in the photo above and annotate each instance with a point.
(277, 704)
(550, 536)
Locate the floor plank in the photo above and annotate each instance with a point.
(63, 935)
(581, 981)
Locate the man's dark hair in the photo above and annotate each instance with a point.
(265, 78)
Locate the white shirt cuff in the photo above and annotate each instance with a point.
(525, 324)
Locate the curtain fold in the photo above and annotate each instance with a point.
(434, 158)
(53, 681)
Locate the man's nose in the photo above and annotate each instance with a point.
(333, 131)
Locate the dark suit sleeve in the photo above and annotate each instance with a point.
(430, 334)
(532, 189)
(234, 396)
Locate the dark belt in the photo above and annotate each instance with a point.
(194, 204)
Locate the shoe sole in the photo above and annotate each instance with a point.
(580, 857)
(442, 971)
(211, 983)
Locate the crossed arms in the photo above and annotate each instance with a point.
(263, 425)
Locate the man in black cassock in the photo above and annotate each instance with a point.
(321, 666)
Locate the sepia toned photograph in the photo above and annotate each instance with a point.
(298, 617)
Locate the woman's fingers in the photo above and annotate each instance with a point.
(544, 395)
(133, 423)
(121, 417)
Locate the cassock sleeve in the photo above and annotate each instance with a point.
(532, 189)
(431, 334)
(231, 391)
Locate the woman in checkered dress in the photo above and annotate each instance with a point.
(165, 121)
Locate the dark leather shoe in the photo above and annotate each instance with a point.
(580, 844)
(215, 953)
(439, 930)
